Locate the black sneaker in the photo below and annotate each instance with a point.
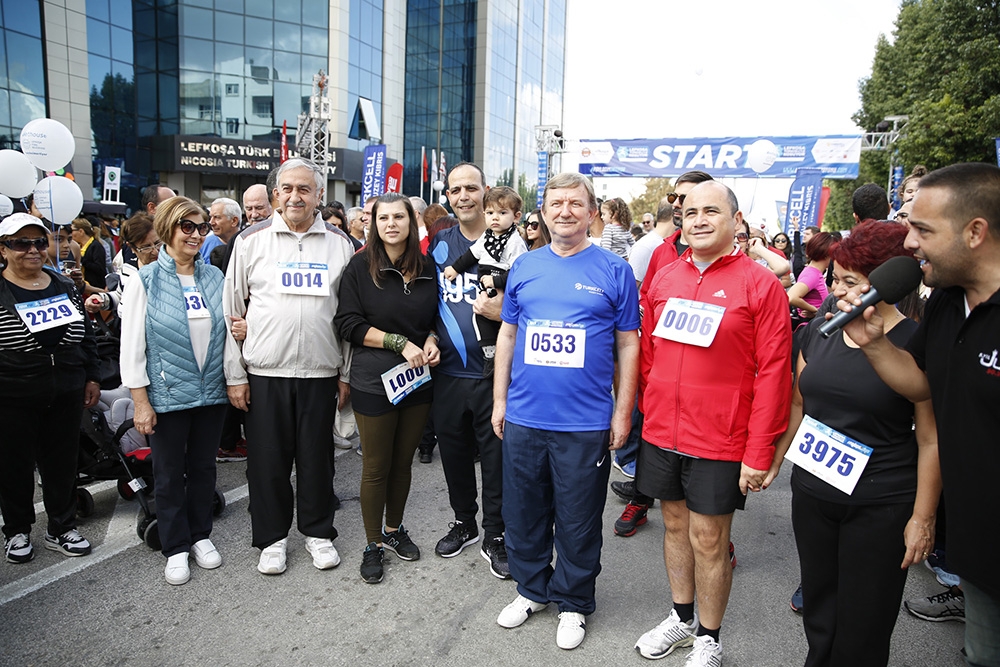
(70, 543)
(624, 490)
(19, 549)
(399, 543)
(630, 520)
(460, 535)
(425, 456)
(495, 551)
(371, 563)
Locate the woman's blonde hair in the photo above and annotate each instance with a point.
(169, 214)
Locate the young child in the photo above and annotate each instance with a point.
(617, 221)
(494, 252)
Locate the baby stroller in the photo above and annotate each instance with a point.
(108, 453)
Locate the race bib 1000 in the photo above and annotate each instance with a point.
(400, 381)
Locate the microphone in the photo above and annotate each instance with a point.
(890, 282)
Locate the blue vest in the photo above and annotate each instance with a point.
(175, 382)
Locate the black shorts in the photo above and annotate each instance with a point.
(708, 487)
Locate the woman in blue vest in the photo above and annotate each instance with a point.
(173, 335)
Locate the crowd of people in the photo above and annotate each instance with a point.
(689, 345)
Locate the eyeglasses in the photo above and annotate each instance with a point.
(674, 197)
(155, 246)
(188, 227)
(24, 245)
(742, 237)
(532, 225)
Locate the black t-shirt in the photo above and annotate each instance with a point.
(49, 338)
(841, 389)
(961, 356)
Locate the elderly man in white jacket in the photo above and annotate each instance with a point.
(292, 372)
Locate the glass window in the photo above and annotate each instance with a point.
(314, 41)
(25, 108)
(196, 54)
(195, 22)
(98, 38)
(315, 12)
(312, 65)
(259, 32)
(23, 16)
(4, 109)
(261, 8)
(229, 58)
(287, 104)
(3, 61)
(96, 9)
(235, 6)
(121, 44)
(288, 66)
(123, 70)
(228, 27)
(287, 36)
(25, 72)
(291, 11)
(121, 13)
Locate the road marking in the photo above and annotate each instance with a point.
(120, 537)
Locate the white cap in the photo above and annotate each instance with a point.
(14, 223)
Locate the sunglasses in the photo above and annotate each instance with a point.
(777, 241)
(188, 227)
(157, 245)
(532, 225)
(674, 197)
(742, 237)
(24, 245)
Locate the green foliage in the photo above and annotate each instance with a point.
(528, 192)
(943, 71)
(649, 201)
(874, 168)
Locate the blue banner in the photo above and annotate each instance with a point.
(897, 180)
(835, 156)
(803, 200)
(373, 175)
(998, 151)
(543, 177)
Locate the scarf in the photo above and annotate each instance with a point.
(495, 244)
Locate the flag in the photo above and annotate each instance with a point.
(444, 169)
(284, 140)
(434, 165)
(803, 201)
(423, 160)
(394, 178)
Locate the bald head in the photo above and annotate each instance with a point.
(257, 203)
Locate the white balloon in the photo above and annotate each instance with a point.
(17, 175)
(48, 144)
(761, 155)
(6, 206)
(59, 199)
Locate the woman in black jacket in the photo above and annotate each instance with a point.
(49, 373)
(388, 303)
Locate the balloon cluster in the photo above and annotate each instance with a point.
(48, 145)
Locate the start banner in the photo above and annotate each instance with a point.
(773, 157)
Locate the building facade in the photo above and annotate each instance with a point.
(194, 93)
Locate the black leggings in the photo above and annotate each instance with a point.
(388, 442)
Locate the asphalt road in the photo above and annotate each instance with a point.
(114, 607)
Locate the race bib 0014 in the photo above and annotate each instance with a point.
(307, 278)
(48, 313)
(828, 454)
(689, 322)
(557, 344)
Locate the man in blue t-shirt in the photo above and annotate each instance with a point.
(463, 398)
(568, 307)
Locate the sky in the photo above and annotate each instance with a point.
(648, 69)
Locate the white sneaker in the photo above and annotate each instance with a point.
(518, 611)
(706, 653)
(177, 571)
(324, 554)
(664, 638)
(205, 554)
(572, 629)
(272, 558)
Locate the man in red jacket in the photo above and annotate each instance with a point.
(716, 389)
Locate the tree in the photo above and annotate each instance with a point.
(942, 69)
(649, 201)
